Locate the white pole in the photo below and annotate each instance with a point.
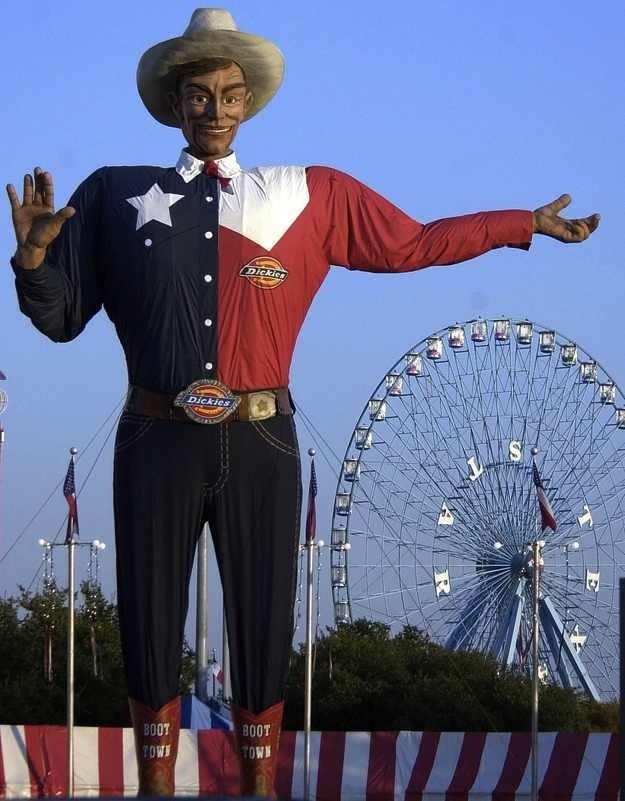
(201, 618)
(225, 660)
(310, 560)
(535, 634)
(70, 657)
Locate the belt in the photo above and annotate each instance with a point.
(258, 405)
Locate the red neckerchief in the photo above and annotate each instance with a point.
(211, 168)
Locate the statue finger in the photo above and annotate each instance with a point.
(560, 203)
(48, 189)
(13, 198)
(28, 190)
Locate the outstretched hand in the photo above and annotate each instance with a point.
(36, 223)
(547, 221)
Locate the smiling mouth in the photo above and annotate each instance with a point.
(214, 131)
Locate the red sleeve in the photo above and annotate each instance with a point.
(361, 230)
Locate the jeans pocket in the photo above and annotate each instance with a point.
(132, 427)
(276, 434)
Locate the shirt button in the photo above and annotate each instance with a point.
(208, 366)
(147, 243)
(209, 234)
(209, 199)
(208, 322)
(208, 278)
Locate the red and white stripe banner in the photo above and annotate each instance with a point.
(353, 766)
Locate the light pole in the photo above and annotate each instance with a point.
(70, 545)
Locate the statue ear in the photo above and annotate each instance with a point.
(174, 103)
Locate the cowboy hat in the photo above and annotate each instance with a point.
(211, 33)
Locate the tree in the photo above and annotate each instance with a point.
(26, 695)
(366, 680)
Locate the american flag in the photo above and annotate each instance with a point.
(547, 516)
(311, 515)
(69, 490)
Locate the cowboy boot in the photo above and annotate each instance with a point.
(257, 740)
(156, 744)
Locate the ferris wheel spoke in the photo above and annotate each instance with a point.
(468, 624)
(443, 389)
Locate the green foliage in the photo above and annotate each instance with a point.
(26, 696)
(365, 680)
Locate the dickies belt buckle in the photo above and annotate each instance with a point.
(207, 401)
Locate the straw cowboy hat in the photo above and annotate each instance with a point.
(211, 33)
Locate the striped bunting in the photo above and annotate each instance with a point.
(352, 766)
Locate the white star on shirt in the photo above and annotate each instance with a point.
(154, 205)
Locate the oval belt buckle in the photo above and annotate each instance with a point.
(207, 401)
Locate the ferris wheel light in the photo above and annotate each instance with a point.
(42, 542)
(96, 543)
(498, 545)
(524, 332)
(547, 341)
(568, 354)
(574, 546)
(364, 439)
(351, 470)
(434, 348)
(588, 372)
(414, 364)
(479, 330)
(394, 384)
(607, 393)
(377, 409)
(620, 418)
(502, 330)
(456, 337)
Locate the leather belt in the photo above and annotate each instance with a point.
(258, 405)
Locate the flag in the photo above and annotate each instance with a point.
(311, 515)
(69, 490)
(217, 672)
(546, 512)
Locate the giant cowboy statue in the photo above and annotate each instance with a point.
(207, 271)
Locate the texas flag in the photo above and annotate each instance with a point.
(217, 672)
(546, 512)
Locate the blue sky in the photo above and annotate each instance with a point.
(444, 108)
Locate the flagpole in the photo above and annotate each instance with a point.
(201, 618)
(310, 556)
(70, 651)
(547, 520)
(311, 547)
(535, 634)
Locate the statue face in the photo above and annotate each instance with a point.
(210, 107)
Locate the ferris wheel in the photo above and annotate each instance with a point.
(436, 504)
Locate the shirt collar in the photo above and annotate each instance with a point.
(188, 167)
